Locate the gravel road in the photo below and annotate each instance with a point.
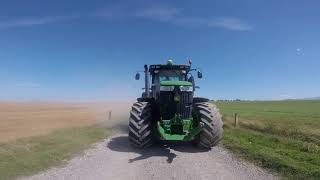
(114, 159)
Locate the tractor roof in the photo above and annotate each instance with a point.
(160, 67)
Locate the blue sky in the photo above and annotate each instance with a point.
(90, 50)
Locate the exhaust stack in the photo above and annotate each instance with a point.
(146, 79)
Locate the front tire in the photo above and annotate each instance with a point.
(212, 132)
(140, 126)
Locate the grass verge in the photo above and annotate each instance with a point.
(281, 136)
(290, 158)
(27, 156)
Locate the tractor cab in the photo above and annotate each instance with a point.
(169, 78)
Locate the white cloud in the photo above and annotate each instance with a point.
(158, 13)
(230, 23)
(116, 11)
(284, 96)
(25, 22)
(175, 16)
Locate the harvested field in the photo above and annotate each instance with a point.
(19, 120)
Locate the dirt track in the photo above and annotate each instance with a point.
(116, 159)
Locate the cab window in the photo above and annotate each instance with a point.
(171, 76)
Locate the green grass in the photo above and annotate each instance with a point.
(30, 155)
(280, 135)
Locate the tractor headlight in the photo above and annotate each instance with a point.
(186, 88)
(166, 88)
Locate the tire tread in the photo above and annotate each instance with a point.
(140, 130)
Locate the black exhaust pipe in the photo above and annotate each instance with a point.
(146, 79)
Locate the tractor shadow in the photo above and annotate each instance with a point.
(166, 149)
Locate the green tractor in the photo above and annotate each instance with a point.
(167, 110)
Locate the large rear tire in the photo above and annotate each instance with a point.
(140, 126)
(212, 132)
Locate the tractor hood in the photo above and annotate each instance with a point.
(175, 83)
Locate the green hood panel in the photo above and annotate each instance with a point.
(175, 83)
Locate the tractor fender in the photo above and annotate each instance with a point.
(145, 99)
(200, 99)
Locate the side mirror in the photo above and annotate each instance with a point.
(199, 74)
(137, 76)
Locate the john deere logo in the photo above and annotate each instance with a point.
(176, 98)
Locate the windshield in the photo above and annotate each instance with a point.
(171, 76)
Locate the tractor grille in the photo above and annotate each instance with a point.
(168, 107)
